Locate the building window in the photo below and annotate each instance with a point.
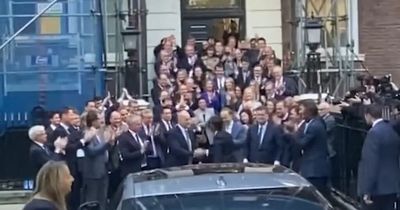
(346, 12)
(212, 4)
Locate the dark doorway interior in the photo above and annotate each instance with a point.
(205, 18)
(201, 29)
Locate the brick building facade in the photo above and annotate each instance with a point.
(379, 26)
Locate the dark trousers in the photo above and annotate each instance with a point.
(380, 202)
(96, 190)
(74, 198)
(114, 182)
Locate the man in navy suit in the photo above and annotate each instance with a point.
(263, 140)
(155, 156)
(238, 132)
(132, 147)
(312, 141)
(181, 142)
(379, 168)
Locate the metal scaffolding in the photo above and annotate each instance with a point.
(337, 44)
(127, 68)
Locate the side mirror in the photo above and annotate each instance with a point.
(91, 205)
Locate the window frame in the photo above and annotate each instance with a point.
(209, 12)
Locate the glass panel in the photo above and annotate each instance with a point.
(212, 4)
(26, 12)
(328, 11)
(272, 199)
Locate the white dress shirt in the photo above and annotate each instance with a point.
(377, 121)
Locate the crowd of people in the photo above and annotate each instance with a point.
(223, 101)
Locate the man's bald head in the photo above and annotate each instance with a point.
(277, 72)
(184, 119)
(324, 108)
(115, 118)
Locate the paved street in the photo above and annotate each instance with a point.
(11, 207)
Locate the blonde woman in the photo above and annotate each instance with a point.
(249, 101)
(53, 183)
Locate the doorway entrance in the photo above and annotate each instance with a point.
(212, 20)
(202, 29)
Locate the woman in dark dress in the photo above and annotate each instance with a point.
(53, 183)
(223, 146)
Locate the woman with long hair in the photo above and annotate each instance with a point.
(53, 183)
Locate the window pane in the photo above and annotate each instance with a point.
(329, 11)
(212, 4)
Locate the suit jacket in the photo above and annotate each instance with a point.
(313, 142)
(379, 167)
(243, 80)
(330, 124)
(60, 131)
(239, 136)
(160, 136)
(158, 144)
(203, 116)
(291, 88)
(71, 149)
(96, 159)
(222, 149)
(183, 63)
(131, 156)
(270, 150)
(39, 156)
(155, 94)
(179, 152)
(215, 101)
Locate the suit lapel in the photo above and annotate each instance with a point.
(184, 139)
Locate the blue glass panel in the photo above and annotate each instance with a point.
(24, 9)
(57, 67)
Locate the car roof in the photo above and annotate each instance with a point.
(209, 178)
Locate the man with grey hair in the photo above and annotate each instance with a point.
(132, 147)
(39, 152)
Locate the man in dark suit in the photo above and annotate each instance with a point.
(39, 152)
(238, 132)
(190, 59)
(284, 86)
(155, 155)
(379, 167)
(330, 124)
(263, 140)
(132, 147)
(315, 164)
(221, 150)
(181, 142)
(95, 170)
(54, 122)
(69, 128)
(160, 133)
(243, 78)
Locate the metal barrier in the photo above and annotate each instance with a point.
(349, 138)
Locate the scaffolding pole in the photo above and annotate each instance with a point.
(337, 58)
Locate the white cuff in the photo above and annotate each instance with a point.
(276, 163)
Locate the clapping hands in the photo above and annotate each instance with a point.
(60, 143)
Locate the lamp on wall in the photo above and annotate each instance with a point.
(130, 40)
(313, 29)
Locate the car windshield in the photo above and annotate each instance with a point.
(268, 199)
